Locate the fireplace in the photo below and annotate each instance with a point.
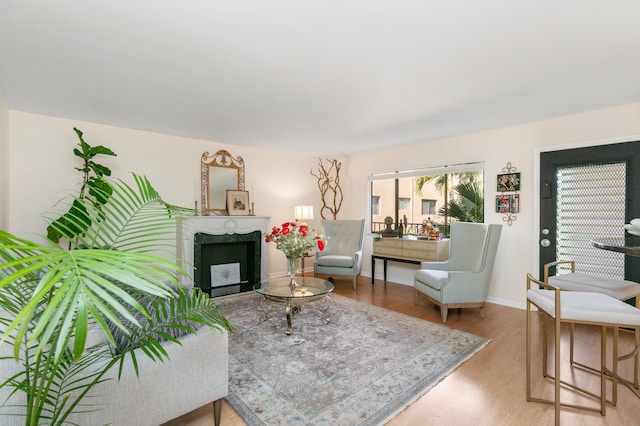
(223, 255)
(228, 263)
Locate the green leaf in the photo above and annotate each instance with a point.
(101, 150)
(86, 149)
(99, 169)
(78, 153)
(100, 189)
(76, 221)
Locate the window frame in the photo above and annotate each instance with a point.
(432, 203)
(453, 169)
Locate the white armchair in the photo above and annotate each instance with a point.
(463, 280)
(343, 255)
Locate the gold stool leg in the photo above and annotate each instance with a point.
(571, 334)
(635, 357)
(557, 369)
(544, 346)
(603, 367)
(528, 348)
(614, 360)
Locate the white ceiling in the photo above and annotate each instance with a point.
(329, 77)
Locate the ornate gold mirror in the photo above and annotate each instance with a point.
(219, 172)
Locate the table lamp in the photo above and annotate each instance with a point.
(302, 214)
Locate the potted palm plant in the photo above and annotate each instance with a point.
(52, 297)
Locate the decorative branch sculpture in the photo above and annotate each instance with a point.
(329, 185)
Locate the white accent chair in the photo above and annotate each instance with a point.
(463, 280)
(577, 307)
(343, 255)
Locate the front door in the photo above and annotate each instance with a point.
(585, 194)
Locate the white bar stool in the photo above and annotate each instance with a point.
(618, 289)
(577, 307)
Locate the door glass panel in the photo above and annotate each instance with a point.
(591, 204)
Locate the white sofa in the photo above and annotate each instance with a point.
(196, 375)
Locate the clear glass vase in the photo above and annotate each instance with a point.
(293, 265)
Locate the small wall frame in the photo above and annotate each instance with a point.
(509, 182)
(508, 202)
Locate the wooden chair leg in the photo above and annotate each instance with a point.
(354, 283)
(444, 311)
(217, 410)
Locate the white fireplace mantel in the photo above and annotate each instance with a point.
(219, 225)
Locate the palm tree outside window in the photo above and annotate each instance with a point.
(439, 195)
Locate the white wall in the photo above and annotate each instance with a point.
(42, 171)
(4, 164)
(518, 145)
(40, 151)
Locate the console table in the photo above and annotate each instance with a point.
(407, 251)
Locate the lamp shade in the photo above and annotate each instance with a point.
(303, 213)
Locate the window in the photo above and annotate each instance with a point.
(428, 207)
(440, 194)
(404, 203)
(375, 205)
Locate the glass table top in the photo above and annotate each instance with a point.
(629, 245)
(308, 287)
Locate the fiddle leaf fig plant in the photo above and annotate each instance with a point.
(53, 298)
(75, 221)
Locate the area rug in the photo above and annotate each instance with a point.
(361, 368)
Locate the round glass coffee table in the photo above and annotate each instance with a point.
(308, 290)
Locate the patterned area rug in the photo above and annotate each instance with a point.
(361, 368)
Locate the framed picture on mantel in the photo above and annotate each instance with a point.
(237, 203)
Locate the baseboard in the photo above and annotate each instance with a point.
(506, 302)
(391, 279)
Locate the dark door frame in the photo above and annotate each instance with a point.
(550, 160)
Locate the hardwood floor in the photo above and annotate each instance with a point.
(488, 389)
